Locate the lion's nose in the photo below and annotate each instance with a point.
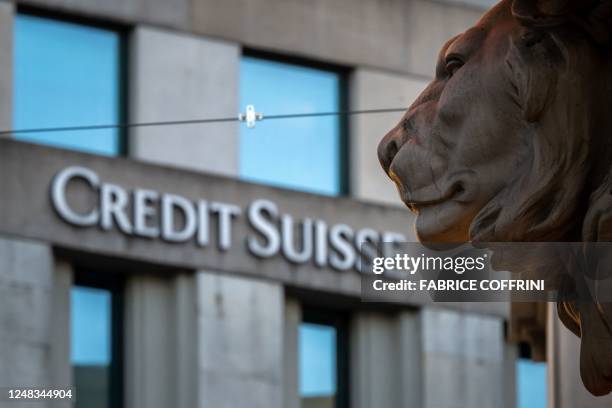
(388, 148)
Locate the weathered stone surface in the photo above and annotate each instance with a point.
(497, 150)
(6, 65)
(34, 311)
(176, 76)
(461, 353)
(175, 14)
(240, 345)
(161, 341)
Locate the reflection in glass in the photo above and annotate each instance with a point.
(66, 75)
(302, 153)
(317, 365)
(531, 384)
(91, 334)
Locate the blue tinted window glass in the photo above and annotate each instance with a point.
(91, 342)
(91, 326)
(531, 384)
(299, 153)
(318, 362)
(66, 75)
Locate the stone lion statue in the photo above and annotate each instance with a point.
(512, 142)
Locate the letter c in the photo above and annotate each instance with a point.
(58, 195)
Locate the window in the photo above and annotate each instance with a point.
(67, 75)
(96, 346)
(531, 383)
(323, 363)
(299, 153)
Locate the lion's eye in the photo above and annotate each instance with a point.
(453, 64)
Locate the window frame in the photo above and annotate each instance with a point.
(340, 322)
(115, 284)
(122, 32)
(343, 73)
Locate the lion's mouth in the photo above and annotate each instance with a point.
(431, 195)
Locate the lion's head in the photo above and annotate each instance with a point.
(512, 141)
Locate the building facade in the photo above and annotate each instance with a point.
(158, 266)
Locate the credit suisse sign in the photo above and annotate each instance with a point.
(151, 214)
(125, 210)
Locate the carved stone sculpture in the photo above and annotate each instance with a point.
(512, 142)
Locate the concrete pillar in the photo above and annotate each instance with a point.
(385, 360)
(370, 89)
(374, 370)
(411, 359)
(6, 65)
(565, 388)
(60, 362)
(177, 76)
(160, 341)
(34, 312)
(431, 359)
(185, 316)
(240, 344)
(510, 387)
(463, 360)
(292, 321)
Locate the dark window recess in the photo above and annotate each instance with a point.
(323, 361)
(96, 342)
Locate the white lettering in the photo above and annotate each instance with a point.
(171, 204)
(343, 257)
(265, 227)
(143, 211)
(58, 196)
(288, 244)
(114, 200)
(225, 214)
